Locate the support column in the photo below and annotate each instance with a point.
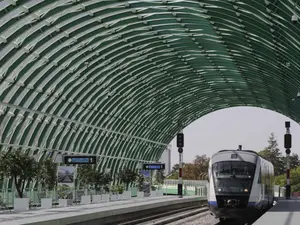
(180, 144)
(288, 146)
(288, 182)
(180, 181)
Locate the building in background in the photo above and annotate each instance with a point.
(166, 158)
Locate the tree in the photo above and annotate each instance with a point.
(47, 175)
(196, 170)
(140, 180)
(97, 180)
(294, 179)
(101, 180)
(189, 172)
(85, 175)
(294, 161)
(173, 176)
(202, 164)
(89, 176)
(64, 192)
(175, 167)
(273, 154)
(107, 179)
(20, 167)
(159, 177)
(127, 176)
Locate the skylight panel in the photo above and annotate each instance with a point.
(226, 34)
(214, 40)
(210, 6)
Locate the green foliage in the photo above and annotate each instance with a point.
(85, 175)
(294, 179)
(294, 161)
(140, 180)
(159, 177)
(89, 176)
(101, 180)
(173, 176)
(201, 164)
(196, 170)
(175, 167)
(273, 154)
(107, 179)
(118, 189)
(20, 167)
(47, 175)
(114, 189)
(64, 192)
(127, 176)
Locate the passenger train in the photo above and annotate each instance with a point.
(241, 184)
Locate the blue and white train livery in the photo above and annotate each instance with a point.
(240, 183)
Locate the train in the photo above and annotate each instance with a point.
(241, 184)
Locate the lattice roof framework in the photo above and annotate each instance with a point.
(113, 78)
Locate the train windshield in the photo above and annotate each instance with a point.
(233, 176)
(234, 169)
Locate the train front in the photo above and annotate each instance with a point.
(232, 182)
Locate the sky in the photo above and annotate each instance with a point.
(228, 128)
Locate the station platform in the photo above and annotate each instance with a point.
(92, 213)
(285, 212)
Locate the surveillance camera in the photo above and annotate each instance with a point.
(298, 94)
(294, 18)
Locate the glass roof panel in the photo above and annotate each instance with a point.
(138, 68)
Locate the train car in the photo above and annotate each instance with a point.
(241, 184)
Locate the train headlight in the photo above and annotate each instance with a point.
(219, 189)
(245, 190)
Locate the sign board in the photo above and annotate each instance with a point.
(66, 175)
(146, 173)
(154, 166)
(77, 159)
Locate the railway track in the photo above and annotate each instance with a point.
(191, 215)
(207, 219)
(168, 217)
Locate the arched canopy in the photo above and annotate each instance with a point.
(114, 78)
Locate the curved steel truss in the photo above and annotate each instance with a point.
(114, 78)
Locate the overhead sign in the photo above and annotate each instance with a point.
(77, 159)
(154, 166)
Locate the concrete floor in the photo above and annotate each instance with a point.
(285, 212)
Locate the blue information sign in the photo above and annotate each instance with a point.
(154, 166)
(80, 159)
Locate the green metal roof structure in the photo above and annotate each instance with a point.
(114, 78)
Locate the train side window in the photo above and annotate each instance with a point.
(259, 177)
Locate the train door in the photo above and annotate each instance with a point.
(268, 186)
(260, 185)
(264, 185)
(263, 188)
